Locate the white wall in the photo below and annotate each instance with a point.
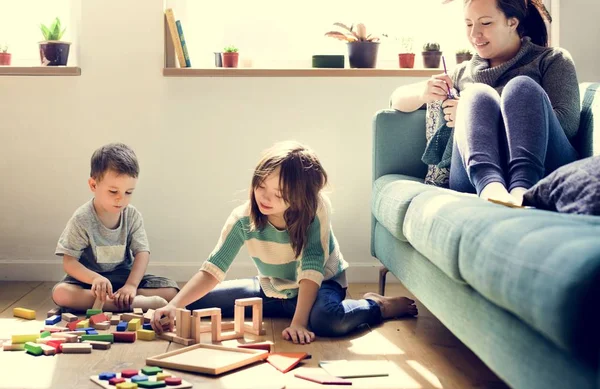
(197, 140)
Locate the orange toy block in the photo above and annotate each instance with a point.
(285, 362)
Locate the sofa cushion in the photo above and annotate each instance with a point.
(392, 194)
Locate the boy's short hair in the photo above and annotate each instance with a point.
(114, 156)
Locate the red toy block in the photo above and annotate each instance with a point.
(173, 381)
(73, 325)
(98, 318)
(129, 373)
(256, 346)
(124, 337)
(285, 362)
(56, 344)
(116, 380)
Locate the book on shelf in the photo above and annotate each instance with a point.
(183, 45)
(170, 16)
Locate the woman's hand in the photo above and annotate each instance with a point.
(437, 88)
(298, 334)
(166, 311)
(449, 109)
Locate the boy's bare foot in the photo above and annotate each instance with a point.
(148, 302)
(393, 306)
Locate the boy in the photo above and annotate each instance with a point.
(104, 246)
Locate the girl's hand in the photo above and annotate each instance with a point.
(449, 109)
(124, 297)
(166, 311)
(437, 88)
(101, 288)
(298, 334)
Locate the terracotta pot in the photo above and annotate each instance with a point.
(5, 59)
(463, 57)
(431, 59)
(363, 54)
(230, 60)
(54, 53)
(407, 60)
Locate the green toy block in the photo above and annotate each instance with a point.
(151, 384)
(33, 348)
(91, 312)
(101, 337)
(151, 370)
(45, 334)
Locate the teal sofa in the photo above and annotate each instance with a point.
(519, 287)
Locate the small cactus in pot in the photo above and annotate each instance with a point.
(230, 57)
(431, 55)
(463, 55)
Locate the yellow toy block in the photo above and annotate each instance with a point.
(83, 324)
(146, 335)
(162, 376)
(24, 313)
(134, 325)
(127, 385)
(24, 338)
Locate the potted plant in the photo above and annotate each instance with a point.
(463, 55)
(362, 47)
(230, 57)
(431, 55)
(4, 55)
(53, 51)
(407, 56)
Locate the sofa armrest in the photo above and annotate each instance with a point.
(398, 143)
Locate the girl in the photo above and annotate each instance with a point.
(286, 228)
(519, 101)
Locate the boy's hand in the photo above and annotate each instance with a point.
(168, 311)
(449, 108)
(124, 297)
(298, 334)
(101, 288)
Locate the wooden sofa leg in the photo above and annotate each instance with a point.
(382, 273)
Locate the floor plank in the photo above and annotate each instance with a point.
(11, 291)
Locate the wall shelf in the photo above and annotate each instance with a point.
(311, 72)
(40, 71)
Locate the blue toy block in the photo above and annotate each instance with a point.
(139, 378)
(122, 326)
(86, 329)
(147, 326)
(91, 332)
(52, 320)
(106, 376)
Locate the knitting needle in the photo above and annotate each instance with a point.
(450, 95)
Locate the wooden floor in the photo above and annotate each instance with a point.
(420, 352)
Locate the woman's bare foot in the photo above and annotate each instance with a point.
(148, 302)
(497, 191)
(518, 193)
(393, 306)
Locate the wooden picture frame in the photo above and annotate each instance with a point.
(207, 358)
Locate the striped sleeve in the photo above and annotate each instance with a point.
(230, 242)
(316, 251)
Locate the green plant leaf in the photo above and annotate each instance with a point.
(45, 32)
(61, 34)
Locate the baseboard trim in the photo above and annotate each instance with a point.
(31, 270)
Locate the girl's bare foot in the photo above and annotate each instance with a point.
(393, 306)
(497, 191)
(518, 193)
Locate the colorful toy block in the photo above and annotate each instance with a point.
(124, 337)
(106, 376)
(139, 378)
(24, 313)
(98, 345)
(127, 385)
(147, 326)
(146, 334)
(115, 381)
(73, 324)
(48, 350)
(33, 348)
(91, 312)
(105, 325)
(100, 337)
(24, 338)
(83, 324)
(151, 370)
(53, 320)
(162, 376)
(45, 334)
(128, 373)
(134, 324)
(172, 381)
(115, 319)
(98, 318)
(122, 326)
(68, 317)
(76, 348)
(91, 332)
(9, 346)
(152, 384)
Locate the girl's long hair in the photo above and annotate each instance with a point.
(301, 178)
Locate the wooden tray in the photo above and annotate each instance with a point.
(105, 384)
(207, 358)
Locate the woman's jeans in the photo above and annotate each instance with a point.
(514, 139)
(330, 316)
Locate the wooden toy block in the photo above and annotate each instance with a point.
(98, 345)
(251, 330)
(147, 326)
(109, 315)
(151, 370)
(110, 380)
(124, 337)
(53, 311)
(183, 341)
(139, 378)
(198, 314)
(101, 337)
(249, 301)
(47, 349)
(105, 325)
(91, 312)
(230, 335)
(69, 338)
(285, 362)
(162, 376)
(73, 324)
(55, 343)
(9, 346)
(167, 336)
(238, 315)
(173, 381)
(45, 334)
(98, 318)
(76, 348)
(43, 340)
(138, 311)
(77, 333)
(225, 326)
(128, 373)
(24, 338)
(146, 335)
(122, 326)
(116, 380)
(257, 319)
(53, 329)
(33, 348)
(98, 304)
(106, 376)
(53, 320)
(68, 317)
(130, 316)
(182, 323)
(24, 313)
(127, 385)
(149, 315)
(165, 321)
(91, 332)
(134, 325)
(257, 346)
(83, 324)
(152, 384)
(115, 319)
(322, 378)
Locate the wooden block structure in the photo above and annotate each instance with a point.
(257, 315)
